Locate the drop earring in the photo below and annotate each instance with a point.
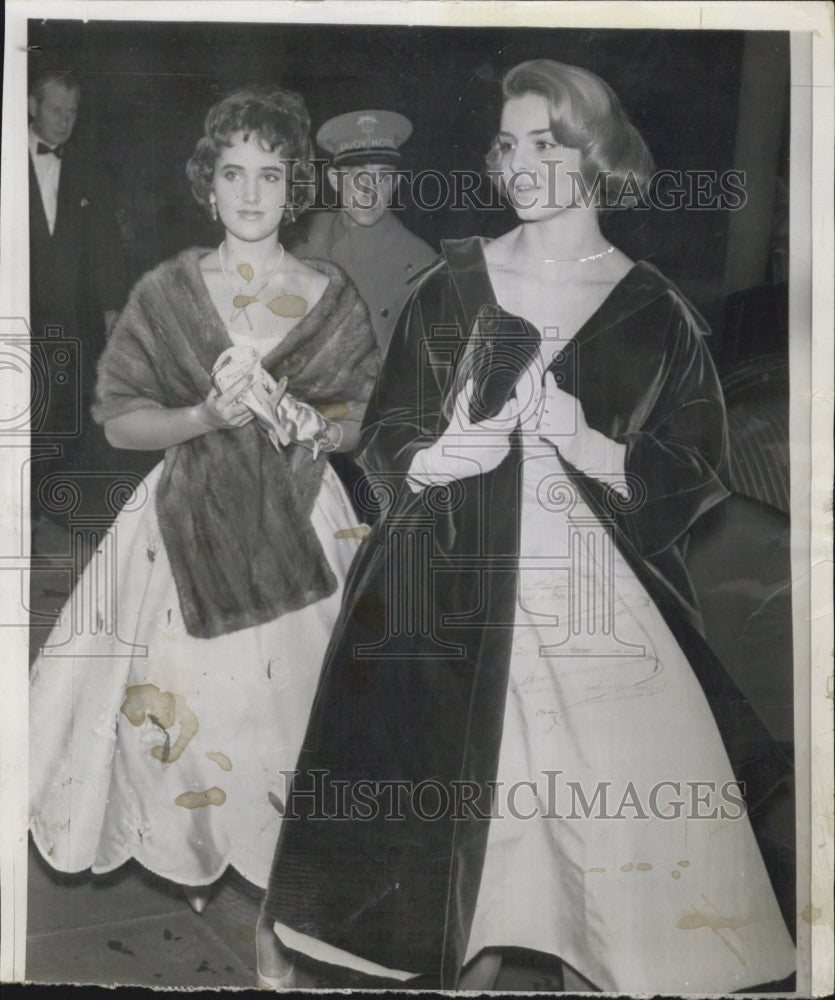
(213, 208)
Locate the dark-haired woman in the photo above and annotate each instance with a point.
(520, 739)
(160, 731)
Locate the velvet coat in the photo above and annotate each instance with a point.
(414, 681)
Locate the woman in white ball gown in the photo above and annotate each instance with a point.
(176, 686)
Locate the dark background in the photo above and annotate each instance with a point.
(697, 97)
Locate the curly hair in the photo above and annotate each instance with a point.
(586, 115)
(279, 119)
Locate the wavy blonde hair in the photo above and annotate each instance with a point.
(585, 114)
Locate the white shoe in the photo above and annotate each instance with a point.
(197, 896)
(283, 982)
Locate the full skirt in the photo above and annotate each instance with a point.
(149, 743)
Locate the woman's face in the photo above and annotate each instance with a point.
(535, 168)
(250, 186)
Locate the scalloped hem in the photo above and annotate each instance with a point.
(176, 879)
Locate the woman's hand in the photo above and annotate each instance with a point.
(562, 419)
(221, 410)
(563, 424)
(465, 449)
(159, 427)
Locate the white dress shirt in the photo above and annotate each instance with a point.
(48, 171)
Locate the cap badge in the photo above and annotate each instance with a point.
(367, 124)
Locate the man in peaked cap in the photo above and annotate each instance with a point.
(364, 237)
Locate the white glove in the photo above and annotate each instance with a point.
(239, 370)
(287, 420)
(563, 424)
(240, 367)
(465, 449)
(304, 424)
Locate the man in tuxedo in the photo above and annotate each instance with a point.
(78, 283)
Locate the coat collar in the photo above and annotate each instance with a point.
(639, 287)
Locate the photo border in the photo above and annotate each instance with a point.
(811, 408)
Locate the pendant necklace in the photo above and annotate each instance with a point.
(241, 300)
(282, 305)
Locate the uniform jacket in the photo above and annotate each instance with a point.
(379, 259)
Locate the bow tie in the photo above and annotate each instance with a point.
(43, 149)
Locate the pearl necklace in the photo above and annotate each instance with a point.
(241, 299)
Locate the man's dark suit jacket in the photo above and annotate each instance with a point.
(76, 273)
(79, 268)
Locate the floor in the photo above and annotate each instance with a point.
(132, 928)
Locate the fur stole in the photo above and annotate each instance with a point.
(234, 513)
